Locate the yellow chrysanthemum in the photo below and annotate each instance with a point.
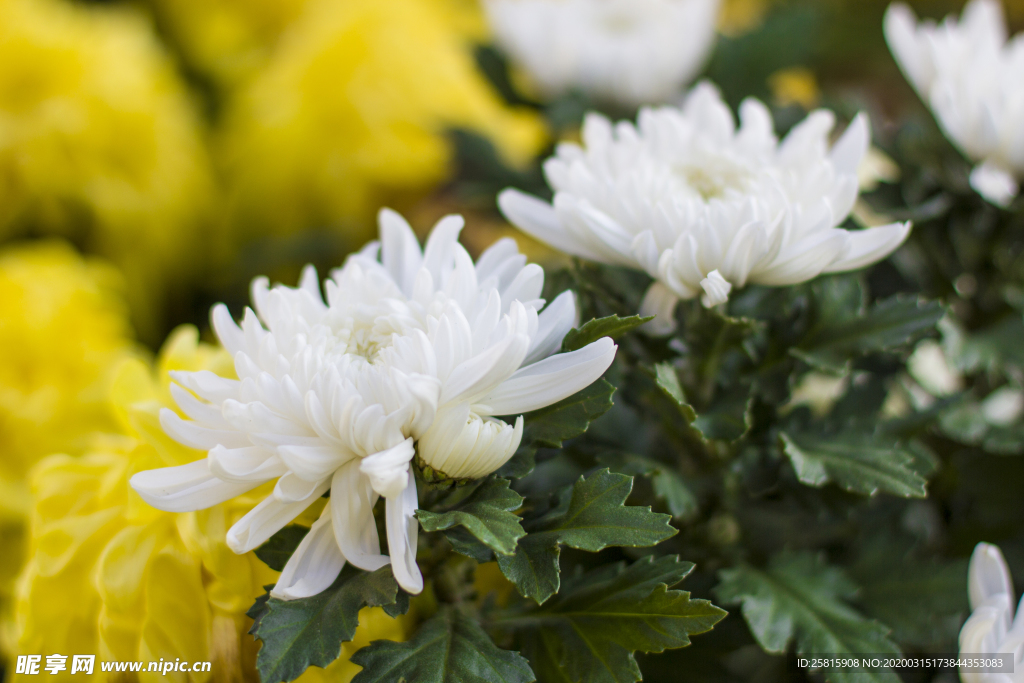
(99, 141)
(350, 113)
(63, 329)
(228, 40)
(110, 575)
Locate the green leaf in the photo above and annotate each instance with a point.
(612, 326)
(486, 513)
(550, 426)
(844, 330)
(258, 609)
(668, 485)
(467, 544)
(590, 630)
(279, 547)
(297, 634)
(854, 460)
(594, 519)
(728, 417)
(800, 598)
(449, 648)
(668, 381)
(924, 602)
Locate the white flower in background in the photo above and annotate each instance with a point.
(992, 628)
(973, 80)
(931, 369)
(703, 206)
(631, 52)
(411, 355)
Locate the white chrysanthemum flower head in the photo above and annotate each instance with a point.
(413, 354)
(703, 206)
(992, 627)
(631, 52)
(972, 77)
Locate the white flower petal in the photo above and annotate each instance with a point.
(486, 369)
(630, 52)
(353, 499)
(805, 260)
(207, 385)
(186, 487)
(228, 332)
(661, 302)
(403, 534)
(267, 518)
(388, 470)
(239, 465)
(463, 445)
(554, 322)
(994, 184)
(400, 251)
(314, 565)
(716, 289)
(551, 379)
(988, 575)
(200, 411)
(847, 153)
(537, 219)
(313, 463)
(192, 435)
(869, 246)
(439, 253)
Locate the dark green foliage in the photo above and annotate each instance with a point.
(612, 326)
(798, 598)
(855, 460)
(486, 513)
(594, 518)
(448, 648)
(297, 634)
(276, 551)
(589, 632)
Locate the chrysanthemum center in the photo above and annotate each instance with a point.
(713, 179)
(619, 22)
(368, 337)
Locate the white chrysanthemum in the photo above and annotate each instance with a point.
(973, 80)
(992, 628)
(411, 354)
(628, 51)
(703, 206)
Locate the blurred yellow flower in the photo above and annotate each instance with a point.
(741, 16)
(350, 112)
(99, 142)
(63, 328)
(795, 85)
(108, 574)
(228, 40)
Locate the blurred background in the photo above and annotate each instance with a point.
(155, 156)
(195, 144)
